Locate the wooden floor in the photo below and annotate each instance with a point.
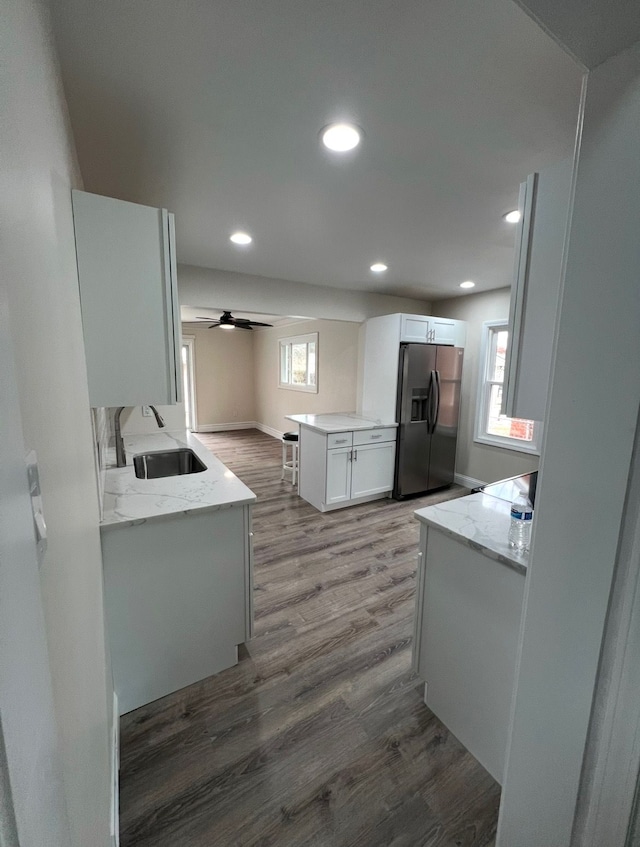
(319, 735)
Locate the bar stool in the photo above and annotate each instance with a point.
(290, 439)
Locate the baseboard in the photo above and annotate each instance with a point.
(269, 430)
(115, 773)
(222, 427)
(468, 481)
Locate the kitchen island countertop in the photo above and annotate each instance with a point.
(129, 500)
(339, 422)
(479, 521)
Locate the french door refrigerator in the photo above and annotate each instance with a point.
(427, 413)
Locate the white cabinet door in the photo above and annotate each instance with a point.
(544, 201)
(415, 328)
(443, 331)
(338, 487)
(372, 469)
(130, 311)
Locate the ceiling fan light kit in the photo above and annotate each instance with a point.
(227, 321)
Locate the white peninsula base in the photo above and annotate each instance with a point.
(345, 459)
(468, 608)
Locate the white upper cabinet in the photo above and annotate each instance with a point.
(380, 340)
(429, 330)
(128, 292)
(544, 203)
(415, 328)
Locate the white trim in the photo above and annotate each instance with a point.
(221, 427)
(269, 430)
(115, 773)
(480, 436)
(190, 341)
(612, 761)
(467, 481)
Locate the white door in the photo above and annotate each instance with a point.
(372, 469)
(33, 811)
(338, 475)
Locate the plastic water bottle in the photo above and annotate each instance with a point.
(520, 526)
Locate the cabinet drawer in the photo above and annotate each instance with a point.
(339, 439)
(372, 436)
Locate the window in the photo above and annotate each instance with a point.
(492, 427)
(299, 363)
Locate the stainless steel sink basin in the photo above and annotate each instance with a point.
(167, 463)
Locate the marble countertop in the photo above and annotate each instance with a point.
(479, 521)
(129, 500)
(339, 422)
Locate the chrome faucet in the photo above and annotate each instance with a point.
(121, 456)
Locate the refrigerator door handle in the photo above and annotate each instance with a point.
(433, 415)
(428, 403)
(437, 411)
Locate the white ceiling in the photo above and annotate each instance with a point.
(212, 108)
(592, 30)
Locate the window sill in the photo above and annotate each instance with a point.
(532, 450)
(307, 389)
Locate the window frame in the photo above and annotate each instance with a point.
(308, 338)
(481, 436)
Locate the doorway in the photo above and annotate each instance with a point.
(189, 382)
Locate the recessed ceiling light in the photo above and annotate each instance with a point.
(467, 284)
(378, 267)
(241, 238)
(513, 217)
(341, 137)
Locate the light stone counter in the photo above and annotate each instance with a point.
(129, 500)
(339, 422)
(479, 521)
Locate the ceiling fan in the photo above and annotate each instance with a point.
(227, 321)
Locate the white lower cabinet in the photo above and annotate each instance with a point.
(333, 475)
(372, 469)
(177, 595)
(338, 487)
(465, 645)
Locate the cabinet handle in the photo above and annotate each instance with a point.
(341, 440)
(376, 436)
(355, 455)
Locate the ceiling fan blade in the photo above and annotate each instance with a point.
(257, 323)
(200, 318)
(244, 326)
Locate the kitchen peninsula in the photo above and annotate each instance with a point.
(470, 587)
(345, 459)
(177, 558)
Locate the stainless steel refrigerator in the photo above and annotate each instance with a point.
(427, 413)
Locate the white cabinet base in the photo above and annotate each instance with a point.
(333, 476)
(468, 611)
(176, 600)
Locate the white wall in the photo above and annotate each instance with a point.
(214, 289)
(584, 469)
(224, 375)
(480, 461)
(337, 372)
(38, 265)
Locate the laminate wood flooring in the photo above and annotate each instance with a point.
(319, 736)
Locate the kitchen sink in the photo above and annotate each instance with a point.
(167, 463)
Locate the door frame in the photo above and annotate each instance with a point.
(189, 386)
